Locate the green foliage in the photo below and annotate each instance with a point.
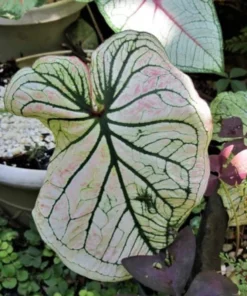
(239, 274)
(35, 270)
(230, 82)
(238, 43)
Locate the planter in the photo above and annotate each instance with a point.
(39, 30)
(19, 189)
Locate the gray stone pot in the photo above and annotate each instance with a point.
(19, 189)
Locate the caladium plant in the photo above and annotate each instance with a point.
(192, 40)
(225, 106)
(230, 127)
(189, 30)
(131, 151)
(169, 271)
(15, 9)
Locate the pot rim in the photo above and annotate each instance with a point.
(21, 178)
(46, 13)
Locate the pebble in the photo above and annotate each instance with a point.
(227, 247)
(20, 134)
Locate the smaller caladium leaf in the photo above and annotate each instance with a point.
(15, 9)
(225, 106)
(233, 173)
(210, 283)
(192, 40)
(153, 272)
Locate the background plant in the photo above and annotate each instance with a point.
(29, 268)
(236, 85)
(238, 43)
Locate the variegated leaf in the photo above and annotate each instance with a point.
(131, 151)
(235, 201)
(189, 30)
(225, 106)
(14, 9)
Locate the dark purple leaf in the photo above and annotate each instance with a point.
(212, 185)
(238, 145)
(215, 164)
(231, 128)
(152, 271)
(210, 283)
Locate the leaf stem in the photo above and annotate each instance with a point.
(95, 24)
(234, 214)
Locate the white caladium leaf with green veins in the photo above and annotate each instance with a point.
(15, 9)
(227, 105)
(131, 151)
(189, 30)
(234, 200)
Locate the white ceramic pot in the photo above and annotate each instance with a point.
(39, 30)
(19, 189)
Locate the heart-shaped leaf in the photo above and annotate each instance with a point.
(15, 9)
(210, 283)
(152, 271)
(131, 151)
(192, 39)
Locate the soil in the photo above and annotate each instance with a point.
(37, 160)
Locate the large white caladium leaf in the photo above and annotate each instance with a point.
(189, 30)
(15, 9)
(131, 151)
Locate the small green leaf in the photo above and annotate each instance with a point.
(52, 281)
(94, 286)
(23, 288)
(34, 286)
(62, 286)
(22, 275)
(17, 264)
(10, 249)
(47, 252)
(34, 251)
(4, 246)
(56, 260)
(83, 293)
(3, 254)
(237, 72)
(8, 270)
(44, 265)
(82, 34)
(32, 237)
(3, 221)
(9, 283)
(8, 235)
(28, 260)
(237, 85)
(47, 274)
(195, 223)
(57, 294)
(221, 85)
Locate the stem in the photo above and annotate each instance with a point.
(95, 24)
(234, 214)
(211, 236)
